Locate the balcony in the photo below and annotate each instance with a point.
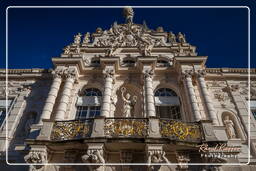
(135, 128)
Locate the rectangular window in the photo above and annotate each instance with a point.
(84, 112)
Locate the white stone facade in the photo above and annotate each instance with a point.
(195, 105)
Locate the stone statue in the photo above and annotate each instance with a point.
(181, 38)
(172, 37)
(67, 50)
(128, 14)
(229, 127)
(128, 102)
(86, 38)
(78, 50)
(77, 38)
(94, 156)
(36, 157)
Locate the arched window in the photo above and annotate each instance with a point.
(89, 104)
(167, 104)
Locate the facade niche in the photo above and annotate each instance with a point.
(232, 126)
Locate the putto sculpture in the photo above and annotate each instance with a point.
(128, 14)
(181, 38)
(128, 102)
(77, 38)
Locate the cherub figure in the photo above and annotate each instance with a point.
(128, 102)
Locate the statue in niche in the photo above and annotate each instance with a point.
(181, 38)
(128, 102)
(230, 129)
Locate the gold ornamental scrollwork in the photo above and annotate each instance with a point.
(180, 130)
(126, 127)
(68, 130)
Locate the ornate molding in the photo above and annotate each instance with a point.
(109, 73)
(36, 157)
(148, 73)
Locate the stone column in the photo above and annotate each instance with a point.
(187, 80)
(50, 101)
(106, 102)
(70, 75)
(149, 93)
(207, 99)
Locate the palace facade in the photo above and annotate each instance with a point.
(129, 95)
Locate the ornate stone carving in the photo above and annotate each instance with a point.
(86, 38)
(172, 38)
(94, 156)
(187, 73)
(78, 49)
(156, 156)
(126, 127)
(148, 73)
(68, 130)
(179, 130)
(181, 38)
(36, 157)
(201, 73)
(230, 128)
(129, 103)
(67, 50)
(70, 73)
(58, 72)
(109, 72)
(183, 160)
(77, 38)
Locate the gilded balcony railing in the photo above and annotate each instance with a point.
(126, 127)
(180, 131)
(70, 130)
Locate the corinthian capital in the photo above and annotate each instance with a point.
(109, 72)
(187, 73)
(200, 73)
(57, 73)
(70, 73)
(148, 73)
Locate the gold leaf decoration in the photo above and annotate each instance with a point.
(180, 130)
(126, 127)
(67, 130)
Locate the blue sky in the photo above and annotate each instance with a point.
(37, 35)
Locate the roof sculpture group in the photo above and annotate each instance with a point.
(130, 35)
